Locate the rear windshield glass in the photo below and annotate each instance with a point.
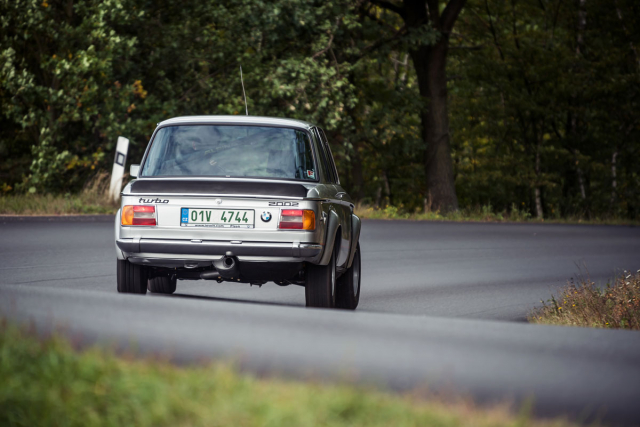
(230, 151)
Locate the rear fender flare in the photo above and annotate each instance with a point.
(356, 224)
(333, 227)
(119, 254)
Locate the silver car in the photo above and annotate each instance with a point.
(239, 199)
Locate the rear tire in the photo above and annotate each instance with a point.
(348, 289)
(162, 285)
(132, 278)
(320, 284)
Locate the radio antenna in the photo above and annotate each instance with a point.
(243, 93)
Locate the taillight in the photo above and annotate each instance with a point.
(138, 215)
(297, 219)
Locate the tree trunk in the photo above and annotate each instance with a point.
(583, 192)
(356, 173)
(627, 33)
(538, 198)
(581, 24)
(403, 74)
(430, 65)
(378, 196)
(539, 213)
(537, 191)
(614, 178)
(387, 189)
(429, 62)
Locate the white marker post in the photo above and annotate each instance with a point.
(118, 168)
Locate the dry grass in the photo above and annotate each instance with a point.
(616, 306)
(478, 214)
(92, 199)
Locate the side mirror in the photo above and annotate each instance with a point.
(133, 172)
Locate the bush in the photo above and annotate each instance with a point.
(584, 304)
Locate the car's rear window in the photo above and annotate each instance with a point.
(230, 151)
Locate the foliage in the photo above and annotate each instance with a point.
(544, 102)
(60, 91)
(48, 383)
(77, 75)
(544, 106)
(617, 306)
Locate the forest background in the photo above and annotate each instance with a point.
(543, 95)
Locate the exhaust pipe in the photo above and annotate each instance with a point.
(210, 275)
(227, 267)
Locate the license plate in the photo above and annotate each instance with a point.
(220, 218)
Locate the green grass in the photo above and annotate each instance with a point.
(480, 214)
(93, 200)
(615, 306)
(48, 382)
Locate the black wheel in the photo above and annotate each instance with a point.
(132, 278)
(162, 285)
(320, 284)
(348, 289)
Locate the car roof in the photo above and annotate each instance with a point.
(244, 120)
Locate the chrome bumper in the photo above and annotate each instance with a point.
(219, 248)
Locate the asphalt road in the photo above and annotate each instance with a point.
(442, 308)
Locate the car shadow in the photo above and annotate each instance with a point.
(235, 300)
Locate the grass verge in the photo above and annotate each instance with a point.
(92, 199)
(480, 214)
(616, 306)
(48, 382)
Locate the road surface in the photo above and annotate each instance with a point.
(443, 307)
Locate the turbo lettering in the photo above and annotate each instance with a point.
(152, 201)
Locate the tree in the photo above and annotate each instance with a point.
(547, 106)
(429, 61)
(544, 105)
(60, 81)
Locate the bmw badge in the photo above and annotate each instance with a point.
(266, 216)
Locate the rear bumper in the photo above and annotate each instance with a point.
(216, 248)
